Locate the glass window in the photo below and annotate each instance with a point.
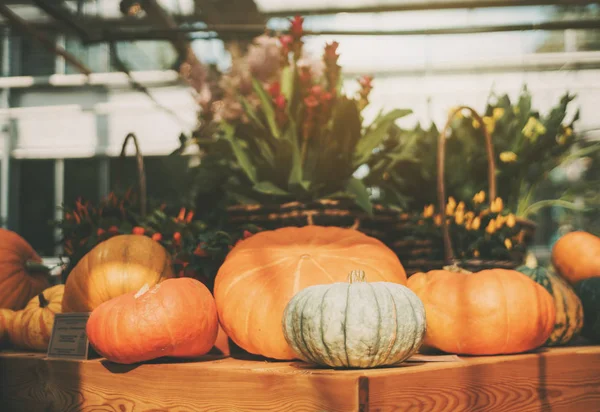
(82, 179)
(30, 58)
(35, 202)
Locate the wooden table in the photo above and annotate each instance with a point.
(561, 379)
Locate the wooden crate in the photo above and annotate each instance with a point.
(560, 379)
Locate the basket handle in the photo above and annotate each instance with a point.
(441, 188)
(140, 169)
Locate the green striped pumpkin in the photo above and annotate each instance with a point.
(569, 310)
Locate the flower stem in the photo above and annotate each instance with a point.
(33, 266)
(356, 276)
(43, 301)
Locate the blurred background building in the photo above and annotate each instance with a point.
(61, 130)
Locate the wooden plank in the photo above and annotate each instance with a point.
(561, 379)
(35, 384)
(558, 379)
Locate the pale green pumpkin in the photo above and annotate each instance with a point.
(355, 324)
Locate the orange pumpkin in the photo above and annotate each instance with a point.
(491, 312)
(31, 327)
(176, 318)
(116, 266)
(262, 273)
(576, 256)
(22, 275)
(6, 317)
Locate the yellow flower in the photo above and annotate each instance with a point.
(428, 211)
(450, 206)
(533, 129)
(461, 206)
(490, 124)
(498, 113)
(511, 220)
(476, 124)
(497, 205)
(476, 223)
(437, 220)
(508, 243)
(568, 131)
(491, 227)
(479, 197)
(476, 253)
(459, 218)
(500, 220)
(508, 157)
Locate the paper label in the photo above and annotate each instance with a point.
(69, 339)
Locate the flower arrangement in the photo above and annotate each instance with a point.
(286, 131)
(528, 146)
(477, 230)
(196, 249)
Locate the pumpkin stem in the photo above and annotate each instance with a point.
(33, 266)
(43, 301)
(356, 276)
(456, 269)
(531, 261)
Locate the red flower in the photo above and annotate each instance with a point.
(138, 230)
(113, 230)
(275, 89)
(331, 56)
(286, 43)
(100, 232)
(156, 237)
(279, 102)
(247, 234)
(177, 238)
(199, 251)
(311, 101)
(316, 91)
(296, 27)
(325, 97)
(189, 216)
(181, 214)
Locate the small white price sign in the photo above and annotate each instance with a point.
(69, 339)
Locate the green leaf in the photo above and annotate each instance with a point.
(296, 174)
(252, 115)
(287, 83)
(361, 195)
(241, 155)
(375, 135)
(269, 188)
(267, 107)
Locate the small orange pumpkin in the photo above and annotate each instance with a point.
(31, 327)
(116, 266)
(22, 275)
(6, 317)
(576, 256)
(262, 273)
(177, 318)
(490, 312)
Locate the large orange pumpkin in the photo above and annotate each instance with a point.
(31, 328)
(262, 273)
(116, 266)
(490, 312)
(22, 275)
(576, 256)
(176, 318)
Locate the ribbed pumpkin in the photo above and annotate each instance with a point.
(176, 318)
(576, 256)
(490, 312)
(6, 317)
(114, 267)
(22, 275)
(588, 291)
(262, 273)
(355, 324)
(31, 327)
(569, 310)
